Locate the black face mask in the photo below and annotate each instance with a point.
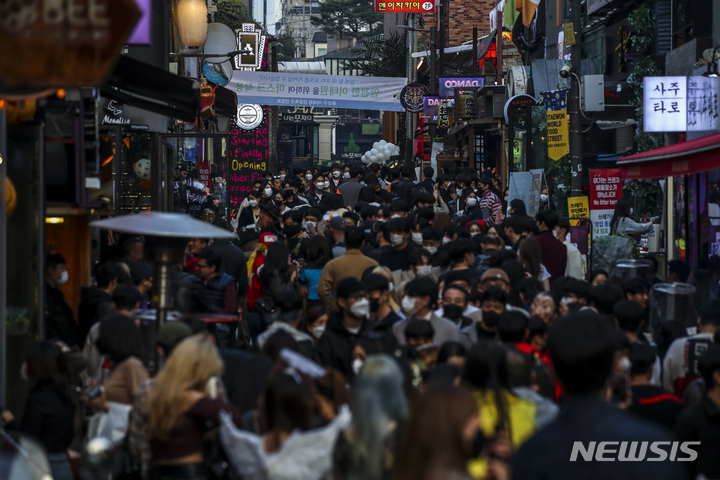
(291, 230)
(491, 318)
(374, 304)
(477, 444)
(452, 311)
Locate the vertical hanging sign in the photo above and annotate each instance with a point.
(605, 191)
(557, 125)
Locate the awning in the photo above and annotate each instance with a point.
(153, 89)
(483, 47)
(695, 156)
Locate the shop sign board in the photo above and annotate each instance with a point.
(536, 181)
(606, 189)
(665, 104)
(519, 187)
(558, 136)
(422, 6)
(57, 44)
(578, 207)
(308, 90)
(204, 171)
(412, 95)
(702, 104)
(448, 85)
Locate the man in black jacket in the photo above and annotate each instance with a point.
(335, 347)
(96, 302)
(233, 262)
(59, 320)
(590, 436)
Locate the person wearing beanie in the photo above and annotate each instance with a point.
(334, 350)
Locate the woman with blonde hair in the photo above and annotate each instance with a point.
(181, 410)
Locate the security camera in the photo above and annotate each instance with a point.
(565, 71)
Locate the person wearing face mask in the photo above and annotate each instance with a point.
(402, 247)
(432, 240)
(292, 231)
(455, 302)
(334, 350)
(461, 254)
(489, 202)
(472, 209)
(418, 225)
(351, 186)
(335, 177)
(382, 316)
(492, 303)
(59, 320)
(267, 191)
(315, 322)
(351, 264)
(420, 297)
(545, 201)
(420, 263)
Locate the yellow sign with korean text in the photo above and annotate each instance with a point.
(558, 137)
(578, 207)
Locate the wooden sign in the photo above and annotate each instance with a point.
(56, 44)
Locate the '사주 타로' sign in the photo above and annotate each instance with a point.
(329, 91)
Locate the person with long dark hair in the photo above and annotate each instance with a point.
(277, 275)
(50, 407)
(319, 252)
(439, 439)
(530, 257)
(623, 223)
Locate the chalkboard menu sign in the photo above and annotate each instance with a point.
(248, 155)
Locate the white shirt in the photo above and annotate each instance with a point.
(677, 363)
(574, 266)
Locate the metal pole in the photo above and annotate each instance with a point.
(499, 49)
(409, 69)
(441, 64)
(433, 85)
(3, 259)
(475, 51)
(574, 104)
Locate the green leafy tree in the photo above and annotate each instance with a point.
(348, 18)
(233, 14)
(285, 47)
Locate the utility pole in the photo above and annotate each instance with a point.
(433, 85)
(410, 74)
(574, 103)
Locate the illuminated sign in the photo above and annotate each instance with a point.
(665, 104)
(424, 6)
(252, 40)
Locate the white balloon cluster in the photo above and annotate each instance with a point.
(380, 152)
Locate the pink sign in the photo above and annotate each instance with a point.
(204, 169)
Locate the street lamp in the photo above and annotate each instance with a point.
(192, 22)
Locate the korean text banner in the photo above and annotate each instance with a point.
(328, 91)
(424, 6)
(606, 189)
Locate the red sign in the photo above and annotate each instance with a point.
(606, 188)
(423, 6)
(204, 169)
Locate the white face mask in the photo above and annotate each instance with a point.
(424, 270)
(397, 240)
(631, 210)
(432, 250)
(471, 201)
(308, 177)
(556, 233)
(361, 308)
(396, 216)
(409, 305)
(336, 174)
(417, 238)
(543, 197)
(268, 191)
(391, 287)
(321, 185)
(357, 365)
(567, 300)
(458, 191)
(474, 233)
(346, 175)
(446, 240)
(310, 224)
(317, 332)
(253, 203)
(64, 277)
(282, 177)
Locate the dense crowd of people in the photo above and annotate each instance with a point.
(368, 326)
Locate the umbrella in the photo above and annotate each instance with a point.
(161, 224)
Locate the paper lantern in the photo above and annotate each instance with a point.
(192, 23)
(142, 168)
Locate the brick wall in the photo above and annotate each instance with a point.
(463, 15)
